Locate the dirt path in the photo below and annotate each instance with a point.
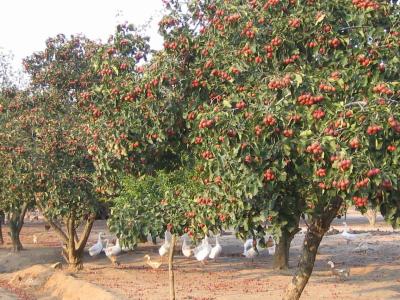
(374, 275)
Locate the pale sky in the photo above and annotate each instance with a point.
(26, 24)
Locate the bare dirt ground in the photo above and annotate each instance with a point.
(374, 275)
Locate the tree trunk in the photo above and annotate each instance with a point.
(15, 225)
(171, 269)
(1, 234)
(73, 248)
(371, 215)
(1, 225)
(316, 230)
(281, 257)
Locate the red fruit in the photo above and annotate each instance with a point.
(373, 172)
(354, 143)
(248, 159)
(288, 133)
(387, 184)
(269, 175)
(345, 164)
(198, 140)
(318, 114)
(240, 105)
(373, 129)
(391, 148)
(269, 120)
(321, 172)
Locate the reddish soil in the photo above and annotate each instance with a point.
(374, 275)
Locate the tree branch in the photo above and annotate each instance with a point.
(86, 232)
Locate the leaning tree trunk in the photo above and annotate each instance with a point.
(316, 230)
(171, 269)
(15, 224)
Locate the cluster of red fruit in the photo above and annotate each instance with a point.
(218, 180)
(307, 99)
(269, 175)
(190, 214)
(327, 88)
(391, 148)
(360, 201)
(373, 172)
(365, 4)
(320, 172)
(269, 120)
(341, 184)
(382, 89)
(314, 148)
(240, 105)
(129, 97)
(334, 43)
(221, 74)
(191, 116)
(295, 23)
(288, 133)
(278, 84)
(95, 111)
(363, 60)
(362, 183)
(196, 83)
(105, 71)
(207, 154)
(291, 59)
(318, 114)
(345, 164)
(258, 130)
(294, 117)
(222, 217)
(248, 30)
(312, 44)
(206, 123)
(84, 96)
(354, 143)
(394, 124)
(331, 131)
(204, 201)
(232, 18)
(198, 140)
(373, 129)
(387, 184)
(269, 48)
(270, 3)
(171, 45)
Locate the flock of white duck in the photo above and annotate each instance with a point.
(206, 251)
(202, 252)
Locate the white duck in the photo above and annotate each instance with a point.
(216, 250)
(167, 243)
(351, 236)
(186, 250)
(249, 249)
(361, 248)
(203, 251)
(98, 247)
(339, 273)
(113, 251)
